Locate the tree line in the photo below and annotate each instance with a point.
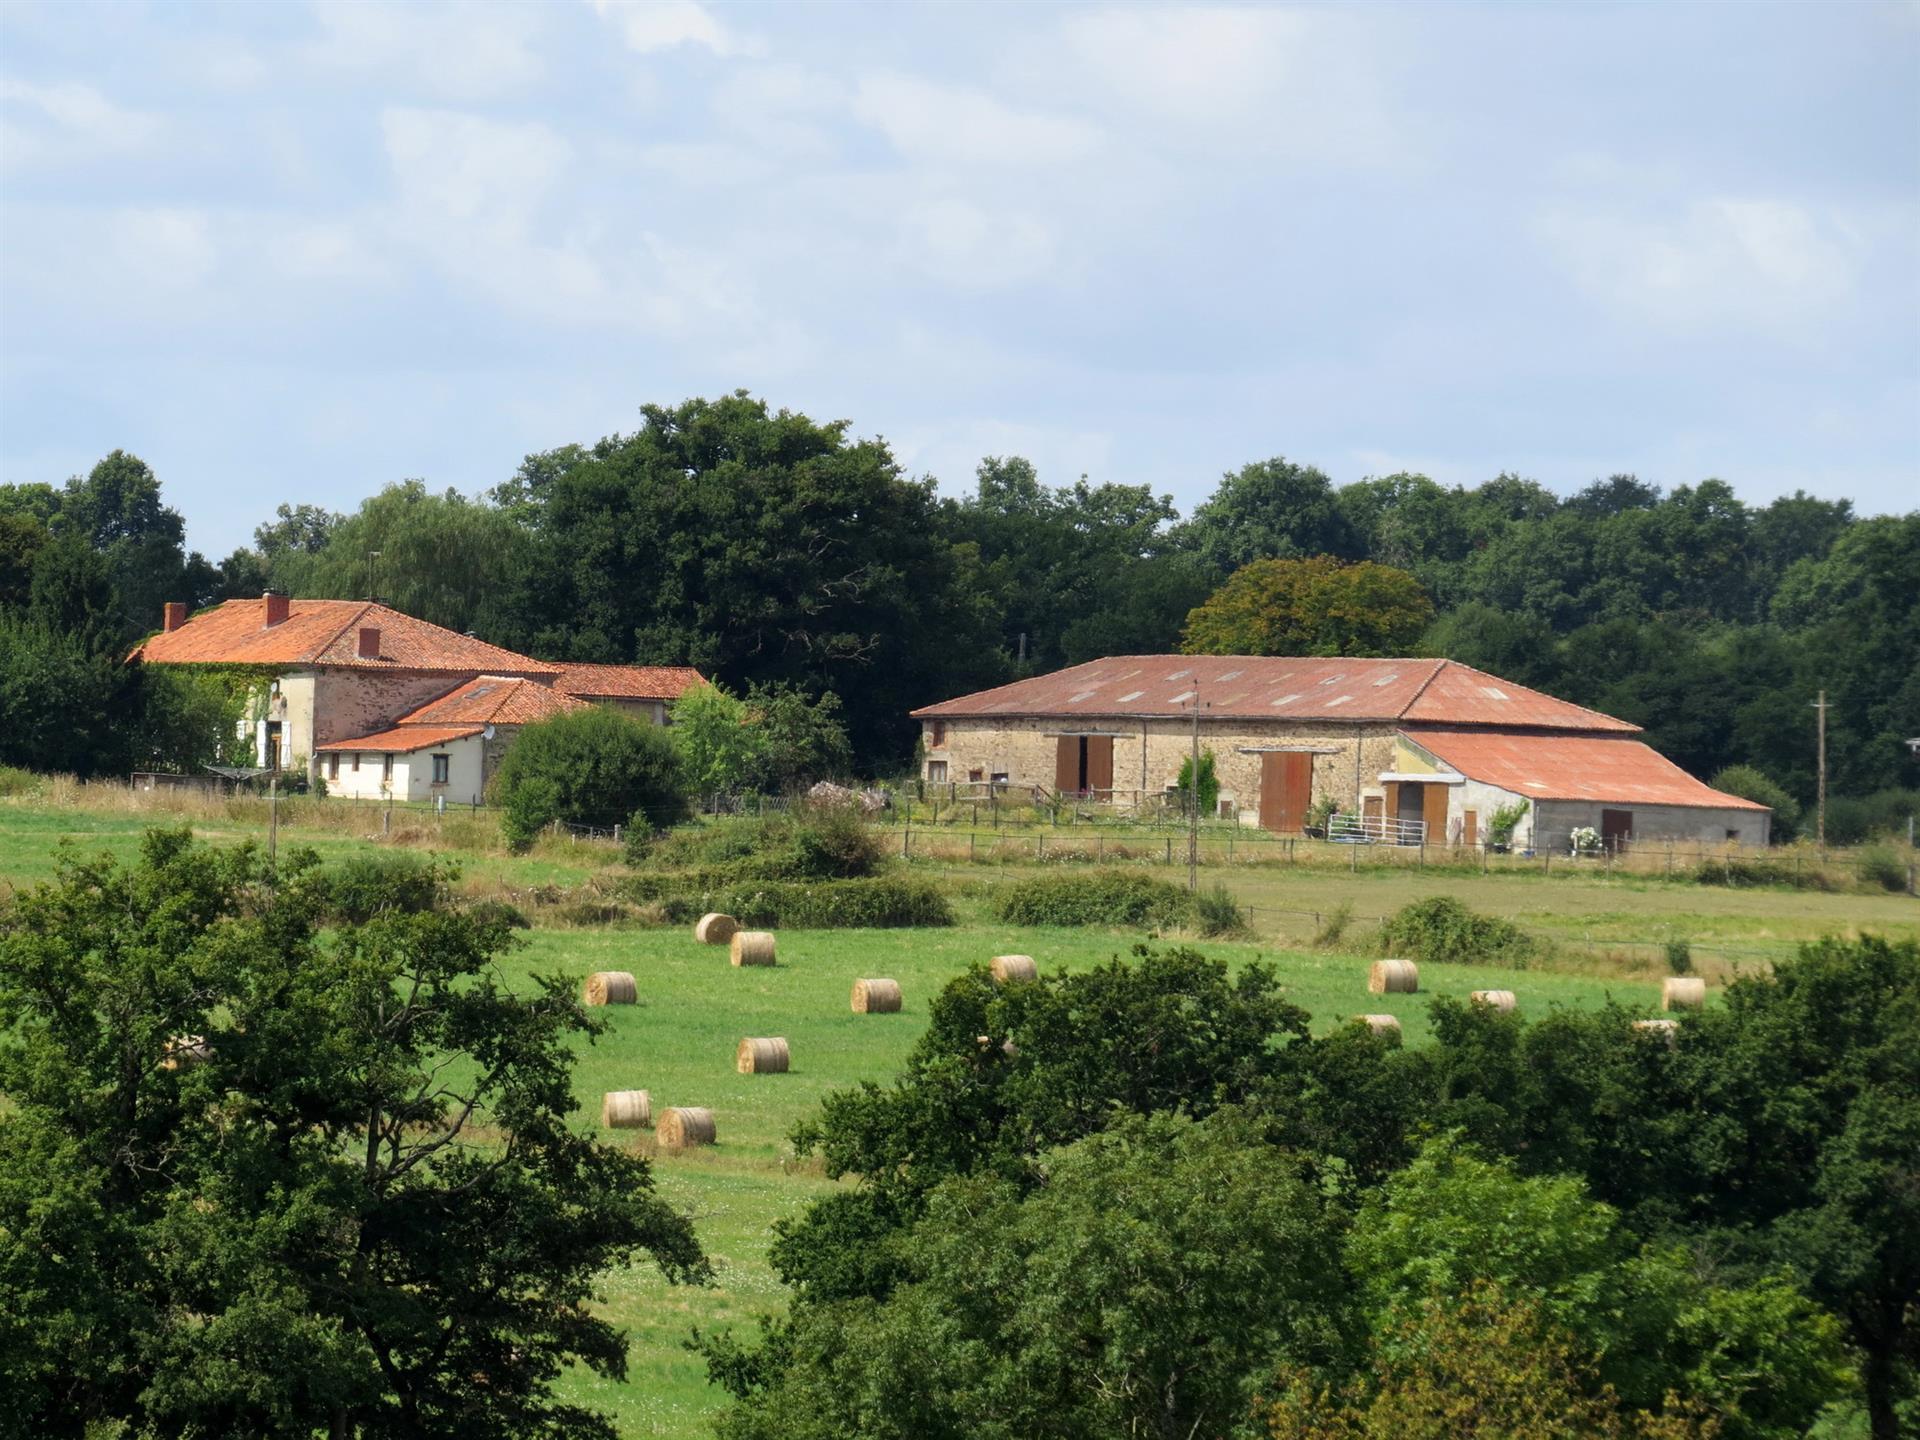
(775, 551)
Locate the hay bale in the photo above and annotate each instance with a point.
(876, 997)
(1380, 1024)
(1393, 977)
(713, 928)
(1009, 969)
(1501, 1000)
(626, 1110)
(1683, 992)
(680, 1126)
(1668, 1030)
(610, 987)
(183, 1052)
(768, 1056)
(752, 947)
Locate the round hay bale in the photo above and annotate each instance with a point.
(1501, 1000)
(611, 987)
(1393, 977)
(681, 1126)
(752, 947)
(626, 1110)
(713, 928)
(1668, 1030)
(183, 1052)
(876, 997)
(1683, 992)
(1380, 1024)
(768, 1056)
(1009, 969)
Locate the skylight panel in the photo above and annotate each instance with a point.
(1228, 675)
(1182, 699)
(1333, 679)
(1083, 695)
(1493, 692)
(1286, 699)
(1130, 695)
(1338, 700)
(1179, 674)
(1387, 678)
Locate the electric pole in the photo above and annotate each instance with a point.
(1820, 822)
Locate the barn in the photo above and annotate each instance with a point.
(1407, 751)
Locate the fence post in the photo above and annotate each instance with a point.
(1169, 850)
(616, 833)
(970, 840)
(1099, 846)
(1040, 845)
(1422, 865)
(1229, 847)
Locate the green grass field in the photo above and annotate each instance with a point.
(679, 1041)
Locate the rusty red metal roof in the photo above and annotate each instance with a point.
(403, 739)
(327, 632)
(1607, 768)
(627, 682)
(495, 700)
(1264, 687)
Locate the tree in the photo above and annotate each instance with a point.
(269, 1185)
(1310, 607)
(593, 767)
(1755, 785)
(65, 708)
(800, 740)
(1271, 509)
(1163, 1267)
(1206, 789)
(719, 747)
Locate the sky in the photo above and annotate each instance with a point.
(294, 253)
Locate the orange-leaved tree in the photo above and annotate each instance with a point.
(1317, 606)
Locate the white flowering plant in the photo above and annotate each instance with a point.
(1585, 840)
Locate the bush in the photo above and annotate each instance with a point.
(379, 882)
(1679, 957)
(1740, 874)
(1442, 930)
(1335, 928)
(591, 767)
(827, 842)
(1756, 785)
(1218, 913)
(873, 904)
(1105, 897)
(1880, 866)
(1852, 819)
(15, 781)
(1209, 783)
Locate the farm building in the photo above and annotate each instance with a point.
(378, 702)
(1408, 750)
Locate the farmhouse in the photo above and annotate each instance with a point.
(378, 702)
(1408, 750)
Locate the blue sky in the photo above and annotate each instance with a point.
(292, 252)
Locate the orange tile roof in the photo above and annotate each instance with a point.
(327, 632)
(1608, 768)
(1247, 687)
(494, 700)
(628, 682)
(404, 739)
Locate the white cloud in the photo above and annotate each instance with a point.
(965, 244)
(1724, 263)
(460, 52)
(930, 123)
(650, 26)
(66, 122)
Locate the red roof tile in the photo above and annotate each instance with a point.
(494, 700)
(1571, 767)
(327, 632)
(404, 739)
(1245, 687)
(627, 682)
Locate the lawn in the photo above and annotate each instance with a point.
(678, 1042)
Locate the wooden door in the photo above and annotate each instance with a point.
(1616, 829)
(1470, 827)
(1066, 764)
(1100, 764)
(1393, 800)
(1372, 809)
(1436, 814)
(1286, 790)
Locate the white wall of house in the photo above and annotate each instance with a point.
(411, 776)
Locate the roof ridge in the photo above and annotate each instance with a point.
(349, 623)
(1440, 664)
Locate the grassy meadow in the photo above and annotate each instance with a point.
(1607, 932)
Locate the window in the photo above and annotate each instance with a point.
(976, 775)
(936, 772)
(1733, 834)
(333, 766)
(386, 769)
(356, 762)
(936, 734)
(999, 777)
(440, 764)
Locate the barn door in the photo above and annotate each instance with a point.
(1469, 827)
(1616, 829)
(1100, 764)
(1286, 790)
(1066, 764)
(1437, 814)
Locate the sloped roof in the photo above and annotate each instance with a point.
(1245, 687)
(1607, 768)
(404, 739)
(627, 682)
(494, 700)
(327, 632)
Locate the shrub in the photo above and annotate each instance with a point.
(1335, 928)
(1504, 821)
(1741, 874)
(499, 912)
(1218, 913)
(1104, 897)
(1854, 818)
(1756, 785)
(377, 882)
(1679, 957)
(1442, 930)
(1880, 866)
(1209, 783)
(15, 781)
(814, 843)
(886, 903)
(591, 767)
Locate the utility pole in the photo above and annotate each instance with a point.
(1820, 823)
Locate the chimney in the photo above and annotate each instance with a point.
(174, 616)
(369, 642)
(278, 607)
